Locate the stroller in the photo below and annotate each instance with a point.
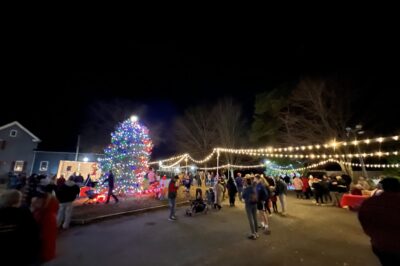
(198, 205)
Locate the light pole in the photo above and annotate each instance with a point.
(355, 131)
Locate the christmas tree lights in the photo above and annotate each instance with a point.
(127, 156)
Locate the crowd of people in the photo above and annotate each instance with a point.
(329, 190)
(32, 214)
(258, 193)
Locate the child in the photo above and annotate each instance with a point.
(210, 196)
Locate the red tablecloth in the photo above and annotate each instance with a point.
(352, 200)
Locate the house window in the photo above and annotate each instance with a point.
(19, 166)
(44, 165)
(13, 133)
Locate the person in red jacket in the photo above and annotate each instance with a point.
(306, 187)
(44, 208)
(172, 192)
(380, 218)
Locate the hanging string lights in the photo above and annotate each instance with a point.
(294, 152)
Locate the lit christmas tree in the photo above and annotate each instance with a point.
(127, 156)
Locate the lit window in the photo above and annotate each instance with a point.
(13, 133)
(44, 165)
(19, 166)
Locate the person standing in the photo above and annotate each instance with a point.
(262, 201)
(281, 191)
(222, 181)
(250, 200)
(110, 180)
(151, 176)
(274, 199)
(66, 194)
(198, 179)
(318, 191)
(232, 190)
(219, 193)
(239, 183)
(380, 218)
(60, 181)
(333, 188)
(306, 187)
(325, 189)
(172, 193)
(44, 209)
(30, 190)
(18, 230)
(298, 187)
(79, 180)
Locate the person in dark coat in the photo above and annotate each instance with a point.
(30, 190)
(270, 181)
(232, 190)
(18, 231)
(281, 191)
(347, 180)
(79, 180)
(380, 218)
(239, 184)
(66, 194)
(318, 191)
(250, 199)
(110, 180)
(60, 181)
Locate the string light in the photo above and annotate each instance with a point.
(233, 166)
(206, 159)
(301, 155)
(271, 152)
(279, 169)
(168, 160)
(175, 163)
(282, 168)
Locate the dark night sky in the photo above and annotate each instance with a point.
(170, 75)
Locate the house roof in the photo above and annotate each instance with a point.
(16, 123)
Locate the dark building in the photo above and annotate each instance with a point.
(17, 145)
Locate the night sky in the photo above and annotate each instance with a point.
(50, 86)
